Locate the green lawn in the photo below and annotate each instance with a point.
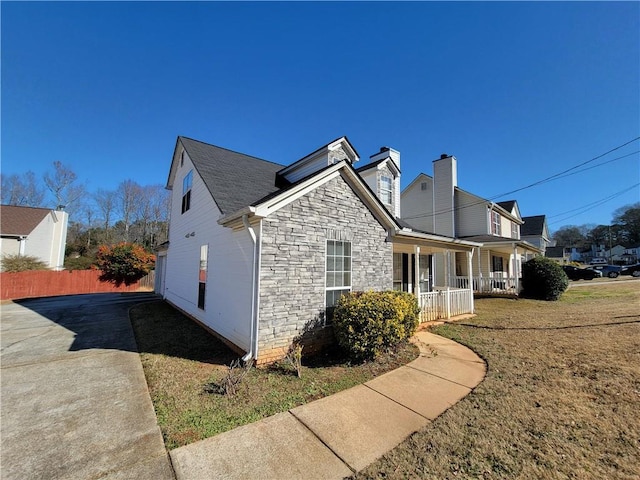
(183, 365)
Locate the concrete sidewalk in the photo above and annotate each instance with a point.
(341, 434)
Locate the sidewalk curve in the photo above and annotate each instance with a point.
(335, 436)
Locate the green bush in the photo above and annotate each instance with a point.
(368, 323)
(543, 279)
(22, 263)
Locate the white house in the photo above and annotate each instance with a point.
(259, 252)
(38, 232)
(436, 204)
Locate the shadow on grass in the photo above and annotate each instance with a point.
(161, 329)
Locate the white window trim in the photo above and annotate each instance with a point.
(496, 223)
(326, 255)
(384, 190)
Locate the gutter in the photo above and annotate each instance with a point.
(255, 288)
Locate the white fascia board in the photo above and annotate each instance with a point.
(173, 168)
(342, 141)
(288, 196)
(506, 213)
(453, 242)
(285, 198)
(371, 201)
(279, 201)
(509, 243)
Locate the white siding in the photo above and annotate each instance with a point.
(228, 294)
(47, 241)
(9, 246)
(445, 177)
(472, 217)
(370, 177)
(417, 204)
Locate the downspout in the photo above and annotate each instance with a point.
(255, 289)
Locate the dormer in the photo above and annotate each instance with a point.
(332, 153)
(382, 175)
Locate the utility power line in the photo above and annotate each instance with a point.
(590, 206)
(565, 173)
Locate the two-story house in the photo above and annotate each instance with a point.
(436, 204)
(37, 232)
(259, 252)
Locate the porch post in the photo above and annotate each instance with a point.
(469, 267)
(447, 259)
(515, 267)
(479, 270)
(416, 271)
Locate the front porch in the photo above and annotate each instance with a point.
(497, 283)
(415, 257)
(496, 268)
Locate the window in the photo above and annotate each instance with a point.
(386, 190)
(338, 272)
(496, 264)
(202, 275)
(187, 181)
(515, 233)
(424, 186)
(397, 271)
(496, 223)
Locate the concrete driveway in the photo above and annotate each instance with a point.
(75, 402)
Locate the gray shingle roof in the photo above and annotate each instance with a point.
(234, 179)
(20, 220)
(507, 205)
(532, 225)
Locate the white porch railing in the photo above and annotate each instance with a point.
(445, 303)
(496, 284)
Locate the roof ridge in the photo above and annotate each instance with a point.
(229, 150)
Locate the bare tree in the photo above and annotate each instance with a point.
(62, 185)
(106, 201)
(22, 190)
(128, 194)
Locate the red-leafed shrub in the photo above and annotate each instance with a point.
(123, 263)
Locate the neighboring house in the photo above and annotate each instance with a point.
(560, 254)
(535, 231)
(260, 252)
(615, 254)
(631, 255)
(436, 204)
(37, 232)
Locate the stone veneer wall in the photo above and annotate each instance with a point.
(292, 280)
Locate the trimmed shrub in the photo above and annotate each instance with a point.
(543, 279)
(367, 323)
(123, 263)
(22, 263)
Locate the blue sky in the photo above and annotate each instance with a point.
(516, 91)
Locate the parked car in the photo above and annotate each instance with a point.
(575, 273)
(598, 261)
(611, 271)
(633, 270)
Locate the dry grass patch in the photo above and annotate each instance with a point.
(184, 364)
(561, 398)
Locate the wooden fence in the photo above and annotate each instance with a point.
(46, 283)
